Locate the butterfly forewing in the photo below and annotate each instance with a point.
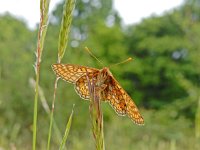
(71, 73)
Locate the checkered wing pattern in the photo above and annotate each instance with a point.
(71, 73)
(111, 91)
(81, 85)
(121, 101)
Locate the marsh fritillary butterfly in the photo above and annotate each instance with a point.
(112, 93)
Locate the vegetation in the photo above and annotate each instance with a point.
(163, 79)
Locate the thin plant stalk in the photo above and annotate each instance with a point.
(62, 45)
(46, 107)
(96, 114)
(51, 115)
(44, 7)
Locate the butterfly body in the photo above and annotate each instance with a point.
(110, 89)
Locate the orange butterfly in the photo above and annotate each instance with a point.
(112, 91)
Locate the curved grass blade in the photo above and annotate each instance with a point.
(67, 129)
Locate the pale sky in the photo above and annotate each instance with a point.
(131, 11)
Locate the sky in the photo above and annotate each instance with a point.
(131, 11)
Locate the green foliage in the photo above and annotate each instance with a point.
(16, 66)
(163, 78)
(162, 45)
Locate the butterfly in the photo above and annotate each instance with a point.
(111, 92)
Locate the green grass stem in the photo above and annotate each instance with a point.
(62, 45)
(96, 114)
(44, 7)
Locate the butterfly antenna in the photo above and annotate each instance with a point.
(125, 61)
(87, 49)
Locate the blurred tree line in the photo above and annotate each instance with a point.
(164, 77)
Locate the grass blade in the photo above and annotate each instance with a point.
(44, 7)
(67, 129)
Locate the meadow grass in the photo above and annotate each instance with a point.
(63, 39)
(96, 114)
(62, 45)
(44, 8)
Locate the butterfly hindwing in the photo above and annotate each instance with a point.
(121, 101)
(81, 85)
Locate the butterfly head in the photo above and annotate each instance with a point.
(103, 75)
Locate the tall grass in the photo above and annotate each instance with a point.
(44, 7)
(62, 45)
(46, 108)
(96, 114)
